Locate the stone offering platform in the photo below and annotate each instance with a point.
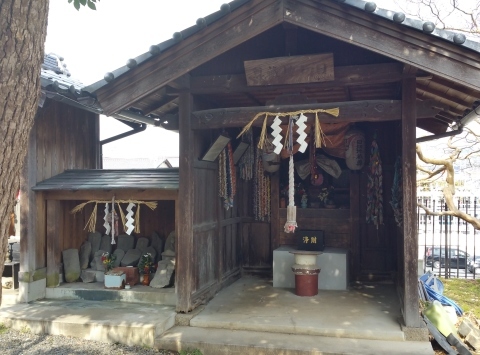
(96, 291)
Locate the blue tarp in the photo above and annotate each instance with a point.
(434, 289)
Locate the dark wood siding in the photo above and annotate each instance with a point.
(63, 137)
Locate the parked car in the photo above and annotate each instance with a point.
(436, 257)
(474, 264)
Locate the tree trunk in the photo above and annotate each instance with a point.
(23, 26)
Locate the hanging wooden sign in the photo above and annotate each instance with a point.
(290, 70)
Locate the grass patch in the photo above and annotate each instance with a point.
(190, 352)
(3, 328)
(466, 293)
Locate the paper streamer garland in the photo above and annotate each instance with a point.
(130, 220)
(92, 221)
(301, 133)
(106, 224)
(277, 141)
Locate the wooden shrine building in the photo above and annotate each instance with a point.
(387, 75)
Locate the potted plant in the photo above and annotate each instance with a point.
(108, 260)
(145, 267)
(326, 197)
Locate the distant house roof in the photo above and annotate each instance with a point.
(76, 180)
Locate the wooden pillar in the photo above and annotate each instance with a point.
(410, 242)
(184, 249)
(54, 233)
(28, 205)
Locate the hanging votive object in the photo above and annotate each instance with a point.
(106, 219)
(354, 148)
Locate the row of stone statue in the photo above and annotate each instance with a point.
(86, 264)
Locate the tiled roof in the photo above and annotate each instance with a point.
(74, 180)
(367, 6)
(57, 84)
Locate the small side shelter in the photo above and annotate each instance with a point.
(387, 75)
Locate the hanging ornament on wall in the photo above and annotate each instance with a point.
(227, 176)
(247, 160)
(261, 189)
(291, 223)
(375, 186)
(354, 148)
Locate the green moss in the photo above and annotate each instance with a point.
(53, 280)
(3, 328)
(39, 274)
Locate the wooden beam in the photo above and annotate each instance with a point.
(164, 106)
(353, 111)
(185, 242)
(344, 76)
(290, 70)
(356, 27)
(246, 22)
(410, 240)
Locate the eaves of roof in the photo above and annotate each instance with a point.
(101, 179)
(369, 7)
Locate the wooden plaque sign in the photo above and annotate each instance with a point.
(290, 70)
(310, 240)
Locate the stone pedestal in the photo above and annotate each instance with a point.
(332, 261)
(306, 272)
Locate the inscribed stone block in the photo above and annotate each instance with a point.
(157, 243)
(94, 238)
(98, 260)
(71, 265)
(131, 258)
(119, 253)
(125, 242)
(88, 275)
(106, 243)
(163, 275)
(85, 251)
(142, 244)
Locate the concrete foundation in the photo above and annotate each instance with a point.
(32, 291)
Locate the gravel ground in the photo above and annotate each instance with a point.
(14, 342)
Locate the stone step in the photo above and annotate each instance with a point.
(125, 323)
(94, 292)
(225, 341)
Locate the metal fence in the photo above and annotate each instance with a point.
(448, 243)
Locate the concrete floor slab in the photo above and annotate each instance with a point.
(252, 303)
(242, 342)
(127, 323)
